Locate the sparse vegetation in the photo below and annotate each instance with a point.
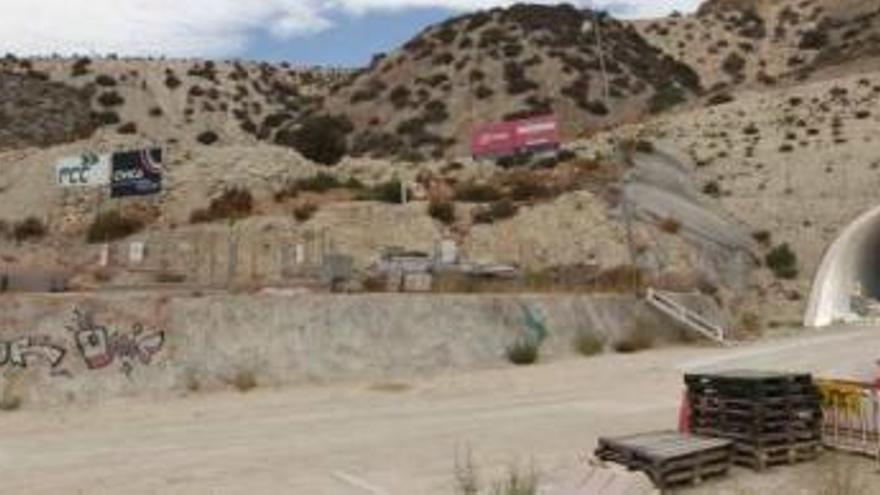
(495, 211)
(587, 344)
(110, 99)
(305, 211)
(321, 138)
(472, 192)
(29, 229)
(207, 138)
(112, 225)
(782, 261)
(233, 204)
(670, 225)
(10, 402)
(443, 211)
(127, 128)
(639, 337)
(523, 352)
(390, 191)
(668, 96)
(244, 381)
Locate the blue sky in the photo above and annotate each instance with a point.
(352, 41)
(302, 32)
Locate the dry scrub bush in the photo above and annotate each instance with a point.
(640, 336)
(112, 225)
(587, 344)
(244, 381)
(523, 352)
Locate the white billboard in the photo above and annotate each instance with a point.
(86, 170)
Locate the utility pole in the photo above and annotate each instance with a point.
(596, 27)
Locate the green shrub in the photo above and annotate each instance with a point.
(444, 211)
(10, 403)
(523, 352)
(107, 117)
(110, 99)
(80, 67)
(127, 128)
(496, 211)
(587, 344)
(31, 228)
(105, 80)
(477, 193)
(321, 139)
(783, 262)
(172, 82)
(712, 189)
(321, 182)
(112, 225)
(244, 381)
(386, 192)
(305, 211)
(667, 96)
(233, 204)
(208, 138)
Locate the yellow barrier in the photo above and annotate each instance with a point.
(851, 416)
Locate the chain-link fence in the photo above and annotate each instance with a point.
(219, 258)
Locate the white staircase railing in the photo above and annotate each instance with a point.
(687, 317)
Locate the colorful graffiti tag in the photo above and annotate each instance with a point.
(21, 352)
(100, 347)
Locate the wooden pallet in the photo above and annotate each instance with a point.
(669, 458)
(751, 385)
(766, 439)
(761, 458)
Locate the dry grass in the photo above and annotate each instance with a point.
(523, 352)
(467, 480)
(670, 225)
(587, 344)
(565, 279)
(10, 403)
(244, 381)
(517, 481)
(191, 381)
(391, 387)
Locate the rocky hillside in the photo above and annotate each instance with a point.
(51, 101)
(37, 112)
(732, 42)
(423, 99)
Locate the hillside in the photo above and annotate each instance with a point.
(764, 42)
(160, 102)
(785, 159)
(423, 99)
(37, 112)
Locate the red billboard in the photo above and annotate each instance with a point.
(517, 136)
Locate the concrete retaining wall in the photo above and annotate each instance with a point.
(56, 349)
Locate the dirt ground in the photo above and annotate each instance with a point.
(397, 438)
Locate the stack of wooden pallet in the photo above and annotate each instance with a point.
(669, 458)
(772, 418)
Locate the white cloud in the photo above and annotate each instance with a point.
(205, 27)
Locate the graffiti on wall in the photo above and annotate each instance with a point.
(97, 346)
(535, 322)
(19, 353)
(100, 347)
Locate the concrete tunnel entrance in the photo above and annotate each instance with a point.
(846, 288)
